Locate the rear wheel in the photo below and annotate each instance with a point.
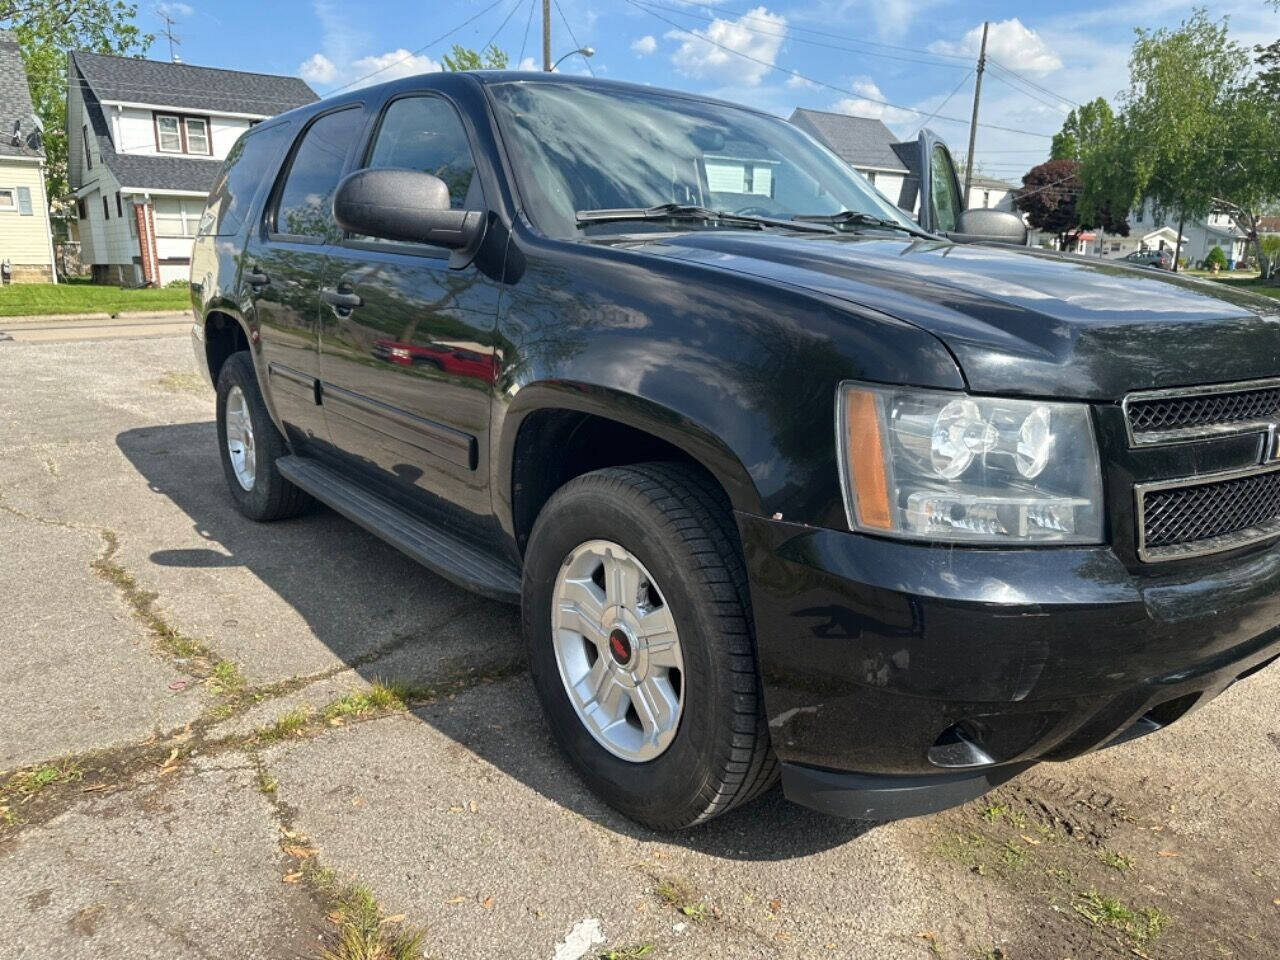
(250, 445)
(637, 615)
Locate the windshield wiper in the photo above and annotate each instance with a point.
(689, 211)
(847, 218)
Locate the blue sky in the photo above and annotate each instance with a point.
(843, 55)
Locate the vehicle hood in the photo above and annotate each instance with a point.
(1019, 320)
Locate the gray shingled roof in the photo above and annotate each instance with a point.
(133, 80)
(15, 102)
(858, 141)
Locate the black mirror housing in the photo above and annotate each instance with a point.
(989, 226)
(407, 205)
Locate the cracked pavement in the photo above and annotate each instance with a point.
(159, 839)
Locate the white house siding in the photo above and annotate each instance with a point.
(134, 132)
(888, 182)
(24, 239)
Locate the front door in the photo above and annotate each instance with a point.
(407, 357)
(283, 261)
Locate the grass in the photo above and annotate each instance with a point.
(27, 783)
(1140, 926)
(379, 697)
(364, 933)
(1250, 284)
(288, 725)
(226, 678)
(680, 894)
(79, 296)
(628, 953)
(1116, 861)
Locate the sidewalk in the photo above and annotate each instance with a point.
(94, 326)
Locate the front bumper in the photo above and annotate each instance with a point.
(910, 666)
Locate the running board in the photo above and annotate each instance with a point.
(443, 553)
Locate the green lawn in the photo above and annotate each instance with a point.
(23, 299)
(1250, 284)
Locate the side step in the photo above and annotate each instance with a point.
(443, 553)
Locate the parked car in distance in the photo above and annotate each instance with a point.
(1163, 259)
(785, 485)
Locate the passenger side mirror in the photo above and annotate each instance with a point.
(989, 226)
(406, 205)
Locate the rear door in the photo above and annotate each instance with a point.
(283, 262)
(407, 355)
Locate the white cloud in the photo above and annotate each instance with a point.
(740, 51)
(1010, 43)
(527, 64)
(866, 103)
(390, 65)
(175, 10)
(317, 68)
(645, 45)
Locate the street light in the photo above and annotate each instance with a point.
(585, 51)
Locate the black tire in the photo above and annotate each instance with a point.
(676, 522)
(271, 496)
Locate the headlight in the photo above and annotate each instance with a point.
(938, 465)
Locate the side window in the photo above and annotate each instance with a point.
(426, 134)
(946, 205)
(252, 160)
(305, 204)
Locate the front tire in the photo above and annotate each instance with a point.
(637, 616)
(250, 445)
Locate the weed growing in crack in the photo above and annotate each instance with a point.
(365, 933)
(226, 678)
(1141, 926)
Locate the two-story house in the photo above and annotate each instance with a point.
(26, 243)
(145, 141)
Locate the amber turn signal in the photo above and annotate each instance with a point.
(864, 448)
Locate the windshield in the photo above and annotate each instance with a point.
(577, 148)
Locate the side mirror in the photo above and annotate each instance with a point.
(989, 226)
(406, 205)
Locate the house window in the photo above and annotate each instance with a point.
(871, 177)
(197, 130)
(168, 134)
(986, 198)
(81, 210)
(177, 216)
(8, 198)
(119, 205)
(88, 154)
(182, 134)
(1137, 216)
(106, 211)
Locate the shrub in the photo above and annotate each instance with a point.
(1216, 256)
(175, 284)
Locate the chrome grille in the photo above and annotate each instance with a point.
(1187, 518)
(1167, 416)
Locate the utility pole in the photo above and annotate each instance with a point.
(973, 124)
(163, 14)
(546, 36)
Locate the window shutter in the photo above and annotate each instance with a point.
(24, 201)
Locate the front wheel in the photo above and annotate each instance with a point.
(638, 620)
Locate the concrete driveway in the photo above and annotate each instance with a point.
(197, 761)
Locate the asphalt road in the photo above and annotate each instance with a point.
(142, 816)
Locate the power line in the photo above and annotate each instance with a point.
(1031, 83)
(494, 35)
(528, 23)
(926, 120)
(576, 44)
(821, 83)
(414, 53)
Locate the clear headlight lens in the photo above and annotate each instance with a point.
(937, 465)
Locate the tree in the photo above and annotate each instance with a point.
(1049, 197)
(1090, 125)
(463, 58)
(45, 32)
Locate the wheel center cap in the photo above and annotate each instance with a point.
(620, 647)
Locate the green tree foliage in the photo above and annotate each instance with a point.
(46, 30)
(1082, 129)
(1216, 257)
(463, 58)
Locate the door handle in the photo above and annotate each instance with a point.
(343, 298)
(255, 277)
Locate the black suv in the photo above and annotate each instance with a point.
(784, 483)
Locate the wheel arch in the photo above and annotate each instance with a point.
(572, 419)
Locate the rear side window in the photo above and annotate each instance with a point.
(426, 134)
(252, 160)
(305, 205)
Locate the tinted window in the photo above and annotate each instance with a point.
(252, 160)
(945, 202)
(425, 134)
(305, 207)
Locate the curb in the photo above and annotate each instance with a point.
(177, 315)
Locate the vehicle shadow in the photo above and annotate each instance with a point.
(346, 584)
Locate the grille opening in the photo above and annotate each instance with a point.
(1245, 507)
(1188, 412)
